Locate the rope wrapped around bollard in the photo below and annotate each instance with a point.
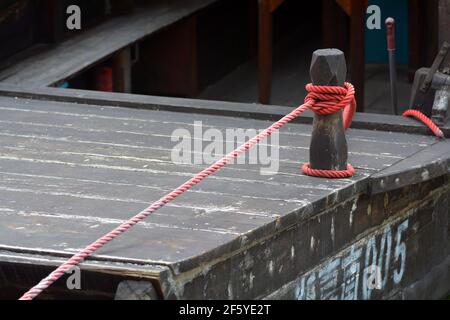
(326, 100)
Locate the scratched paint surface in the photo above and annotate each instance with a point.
(366, 266)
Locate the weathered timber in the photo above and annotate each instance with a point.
(170, 67)
(122, 71)
(369, 121)
(408, 249)
(75, 164)
(412, 170)
(328, 149)
(78, 53)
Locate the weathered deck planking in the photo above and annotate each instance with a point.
(71, 171)
(369, 121)
(72, 56)
(42, 150)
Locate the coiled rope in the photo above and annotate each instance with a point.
(322, 100)
(326, 100)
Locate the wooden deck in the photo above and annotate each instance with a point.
(75, 55)
(73, 165)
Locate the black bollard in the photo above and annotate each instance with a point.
(328, 150)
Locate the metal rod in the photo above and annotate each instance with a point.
(390, 30)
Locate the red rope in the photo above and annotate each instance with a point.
(427, 121)
(322, 100)
(328, 100)
(330, 174)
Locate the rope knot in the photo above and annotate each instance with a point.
(326, 100)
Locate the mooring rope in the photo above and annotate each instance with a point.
(424, 119)
(326, 100)
(322, 100)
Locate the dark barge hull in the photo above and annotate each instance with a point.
(238, 235)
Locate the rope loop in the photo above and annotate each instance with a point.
(330, 174)
(326, 100)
